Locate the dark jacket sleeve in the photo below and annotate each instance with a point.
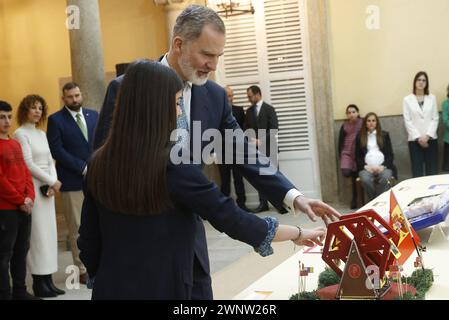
(62, 156)
(89, 241)
(341, 140)
(387, 150)
(240, 116)
(105, 117)
(190, 189)
(248, 122)
(272, 119)
(359, 154)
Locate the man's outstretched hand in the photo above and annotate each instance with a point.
(314, 208)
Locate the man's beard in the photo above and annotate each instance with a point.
(190, 72)
(75, 107)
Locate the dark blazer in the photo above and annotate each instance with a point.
(153, 255)
(387, 150)
(341, 139)
(210, 106)
(239, 115)
(68, 146)
(267, 119)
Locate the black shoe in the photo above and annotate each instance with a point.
(52, 286)
(261, 208)
(40, 287)
(282, 211)
(24, 295)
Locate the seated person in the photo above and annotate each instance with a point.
(374, 156)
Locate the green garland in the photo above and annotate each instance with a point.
(328, 278)
(420, 279)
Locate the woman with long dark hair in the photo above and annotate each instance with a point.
(140, 210)
(421, 121)
(374, 154)
(346, 147)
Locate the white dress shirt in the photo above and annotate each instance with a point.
(258, 106)
(187, 96)
(374, 157)
(420, 121)
(74, 113)
(186, 93)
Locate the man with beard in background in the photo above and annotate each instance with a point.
(70, 134)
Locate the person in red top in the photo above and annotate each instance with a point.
(16, 203)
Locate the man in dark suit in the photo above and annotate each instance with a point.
(226, 169)
(70, 134)
(197, 43)
(262, 118)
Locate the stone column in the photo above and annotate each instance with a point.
(86, 52)
(322, 96)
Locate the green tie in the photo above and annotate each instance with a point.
(80, 124)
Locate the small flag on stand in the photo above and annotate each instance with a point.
(399, 223)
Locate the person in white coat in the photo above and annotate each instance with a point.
(420, 112)
(42, 258)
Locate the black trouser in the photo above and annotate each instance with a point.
(225, 174)
(424, 157)
(15, 231)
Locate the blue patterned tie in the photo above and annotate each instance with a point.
(182, 125)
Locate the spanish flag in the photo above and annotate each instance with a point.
(399, 223)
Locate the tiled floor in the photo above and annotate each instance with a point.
(228, 258)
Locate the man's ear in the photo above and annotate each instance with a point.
(177, 45)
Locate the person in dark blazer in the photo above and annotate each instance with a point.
(70, 134)
(259, 116)
(374, 156)
(197, 43)
(226, 169)
(142, 246)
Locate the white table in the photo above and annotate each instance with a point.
(282, 282)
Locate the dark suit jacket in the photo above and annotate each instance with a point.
(210, 106)
(387, 150)
(267, 119)
(152, 257)
(239, 115)
(68, 146)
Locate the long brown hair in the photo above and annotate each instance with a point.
(426, 89)
(364, 131)
(128, 174)
(25, 106)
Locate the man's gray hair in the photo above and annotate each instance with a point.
(191, 21)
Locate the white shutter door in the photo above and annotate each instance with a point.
(269, 49)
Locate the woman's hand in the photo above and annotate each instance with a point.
(424, 141)
(311, 237)
(56, 186)
(369, 169)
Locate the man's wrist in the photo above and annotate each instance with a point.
(289, 199)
